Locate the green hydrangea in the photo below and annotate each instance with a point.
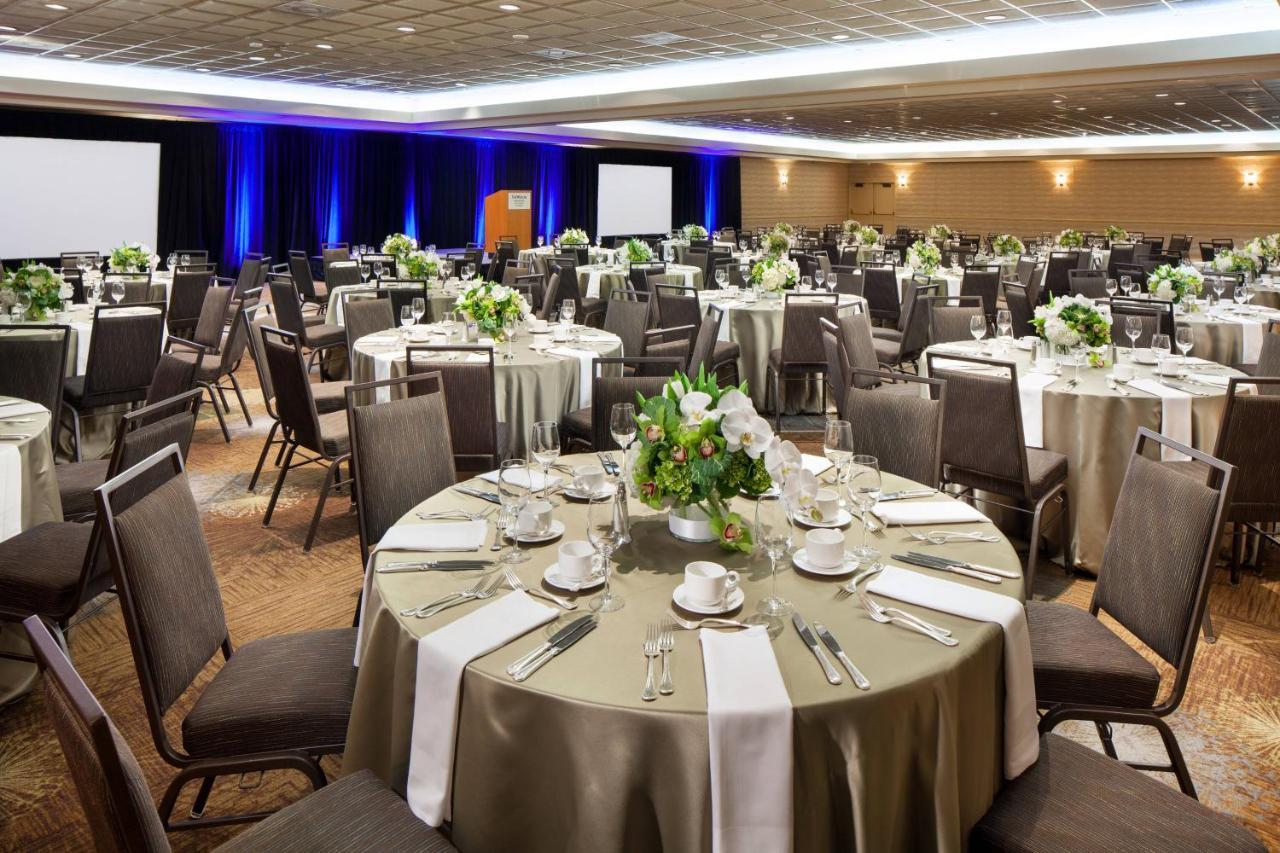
(674, 480)
(747, 474)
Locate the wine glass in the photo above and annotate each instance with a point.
(450, 324)
(185, 260)
(446, 268)
(567, 309)
(605, 535)
(622, 424)
(419, 306)
(23, 304)
(513, 493)
(117, 291)
(468, 271)
(978, 326)
(1246, 289)
(1160, 348)
(545, 447)
(773, 532)
(864, 491)
(172, 260)
(742, 245)
(1126, 284)
(406, 317)
(1219, 285)
(837, 446)
(365, 272)
(1185, 339)
(1004, 324)
(819, 277)
(1133, 331)
(509, 334)
(377, 270)
(1111, 287)
(722, 277)
(806, 283)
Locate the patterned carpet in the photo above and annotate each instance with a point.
(1229, 723)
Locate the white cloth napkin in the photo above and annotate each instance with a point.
(1250, 337)
(584, 357)
(1211, 379)
(382, 362)
(593, 284)
(1031, 395)
(1175, 415)
(532, 480)
(442, 656)
(927, 512)
(1021, 735)
(816, 465)
(84, 332)
(10, 490)
(749, 732)
(451, 536)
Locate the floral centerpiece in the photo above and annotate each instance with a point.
(419, 265)
(938, 233)
(1070, 238)
(1174, 283)
(863, 236)
(44, 288)
(1071, 321)
(1266, 247)
(785, 228)
(699, 446)
(694, 232)
(490, 305)
(1116, 234)
(850, 228)
(1007, 245)
(574, 237)
(400, 245)
(924, 257)
(774, 274)
(775, 244)
(133, 257)
(1234, 261)
(637, 251)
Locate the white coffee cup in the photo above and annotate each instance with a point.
(827, 502)
(707, 583)
(1123, 371)
(825, 547)
(535, 518)
(560, 333)
(538, 325)
(575, 560)
(588, 479)
(1045, 365)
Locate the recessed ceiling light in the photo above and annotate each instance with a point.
(1215, 119)
(406, 29)
(993, 113)
(790, 118)
(324, 46)
(258, 58)
(1179, 103)
(615, 64)
(748, 119)
(768, 35)
(915, 118)
(509, 7)
(994, 17)
(57, 7)
(848, 121)
(71, 55)
(255, 44)
(1082, 108)
(1162, 94)
(1058, 101)
(840, 37)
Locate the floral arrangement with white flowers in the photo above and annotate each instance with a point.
(701, 445)
(399, 245)
(637, 251)
(1071, 321)
(574, 237)
(419, 265)
(1234, 261)
(775, 244)
(1173, 283)
(694, 232)
(785, 228)
(775, 274)
(490, 305)
(940, 232)
(863, 236)
(133, 257)
(1007, 245)
(850, 227)
(924, 257)
(1070, 238)
(1266, 247)
(45, 289)
(1116, 234)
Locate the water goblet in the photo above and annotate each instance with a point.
(1111, 287)
(1126, 284)
(419, 307)
(406, 318)
(509, 334)
(773, 532)
(172, 260)
(837, 446)
(544, 444)
(605, 535)
(541, 241)
(622, 424)
(1184, 338)
(514, 493)
(185, 260)
(978, 326)
(863, 488)
(567, 310)
(722, 277)
(1160, 348)
(1004, 325)
(117, 291)
(1133, 331)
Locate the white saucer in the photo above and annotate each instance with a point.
(841, 520)
(800, 559)
(552, 577)
(732, 601)
(556, 530)
(1144, 356)
(606, 492)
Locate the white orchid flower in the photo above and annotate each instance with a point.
(782, 459)
(746, 430)
(800, 491)
(734, 400)
(694, 407)
(676, 387)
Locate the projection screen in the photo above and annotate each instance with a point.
(75, 195)
(633, 200)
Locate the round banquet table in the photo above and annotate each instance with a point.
(1266, 292)
(595, 254)
(439, 300)
(1094, 426)
(1229, 334)
(534, 386)
(573, 760)
(28, 496)
(597, 281)
(757, 328)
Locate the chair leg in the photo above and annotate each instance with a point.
(202, 797)
(1105, 735)
(275, 492)
(1033, 550)
(330, 477)
(222, 395)
(1175, 756)
(75, 426)
(1238, 533)
(222, 422)
(1207, 626)
(262, 457)
(240, 396)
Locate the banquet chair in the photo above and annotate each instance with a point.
(532, 287)
(279, 702)
(673, 342)
(514, 271)
(303, 428)
(365, 314)
(1055, 274)
(318, 338)
(503, 254)
(333, 253)
(1026, 269)
(123, 352)
(1076, 800)
(195, 256)
(677, 305)
(217, 376)
(252, 273)
(186, 298)
(309, 290)
(639, 274)
(1207, 252)
(983, 283)
(950, 317)
(884, 297)
(1228, 281)
(173, 376)
(984, 448)
(588, 429)
(898, 347)
(53, 569)
(902, 430)
(479, 439)
(35, 365)
(697, 258)
(1088, 283)
(1137, 272)
(849, 283)
(1157, 314)
(838, 365)
(75, 279)
(1021, 310)
(627, 316)
(137, 287)
(1224, 243)
(1268, 363)
(1154, 582)
(343, 273)
(402, 292)
(212, 320)
(400, 450)
(550, 304)
(716, 264)
(801, 355)
(722, 358)
(587, 311)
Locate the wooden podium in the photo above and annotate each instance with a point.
(508, 212)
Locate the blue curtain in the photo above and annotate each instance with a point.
(709, 174)
(550, 191)
(484, 183)
(241, 147)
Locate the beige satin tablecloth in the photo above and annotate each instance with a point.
(610, 277)
(439, 300)
(573, 760)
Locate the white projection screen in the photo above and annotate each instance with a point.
(76, 195)
(633, 200)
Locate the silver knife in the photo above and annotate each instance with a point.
(556, 648)
(905, 494)
(424, 565)
(491, 497)
(807, 636)
(991, 570)
(559, 636)
(946, 566)
(829, 640)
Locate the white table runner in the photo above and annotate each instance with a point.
(1175, 415)
(10, 491)
(1031, 396)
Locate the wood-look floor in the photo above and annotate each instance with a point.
(1229, 723)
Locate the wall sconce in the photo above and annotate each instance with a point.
(902, 180)
(1061, 180)
(1250, 179)
(782, 180)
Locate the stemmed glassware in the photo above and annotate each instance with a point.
(1111, 287)
(1004, 325)
(1133, 331)
(509, 334)
(622, 426)
(172, 260)
(185, 260)
(773, 534)
(605, 535)
(722, 277)
(541, 241)
(365, 271)
(567, 311)
(819, 277)
(1160, 349)
(468, 271)
(419, 306)
(377, 270)
(1184, 339)
(117, 291)
(864, 491)
(406, 317)
(545, 447)
(450, 323)
(514, 490)
(1126, 284)
(978, 326)
(1219, 286)
(837, 445)
(806, 283)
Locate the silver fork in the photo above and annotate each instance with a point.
(413, 611)
(650, 652)
(519, 586)
(881, 614)
(666, 644)
(851, 586)
(456, 513)
(487, 592)
(695, 624)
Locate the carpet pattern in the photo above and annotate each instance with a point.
(1228, 725)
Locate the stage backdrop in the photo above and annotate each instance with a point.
(235, 188)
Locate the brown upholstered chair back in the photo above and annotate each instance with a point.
(213, 317)
(33, 363)
(343, 273)
(294, 403)
(364, 314)
(950, 317)
(300, 270)
(146, 431)
(1269, 360)
(284, 302)
(1025, 269)
(137, 286)
(172, 376)
(1090, 283)
(1018, 298)
(801, 331)
(402, 292)
(704, 343)
(677, 306)
(651, 375)
(915, 319)
(984, 284)
(237, 341)
(1246, 439)
(112, 788)
(470, 390)
(123, 353)
(550, 300)
(903, 432)
(1152, 322)
(400, 450)
(186, 298)
(627, 316)
(837, 363)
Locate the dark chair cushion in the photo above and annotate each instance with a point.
(330, 396)
(1079, 660)
(577, 426)
(886, 333)
(886, 350)
(334, 433)
(1075, 799)
(40, 568)
(209, 368)
(725, 351)
(73, 393)
(292, 691)
(1045, 469)
(324, 334)
(76, 482)
(358, 812)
